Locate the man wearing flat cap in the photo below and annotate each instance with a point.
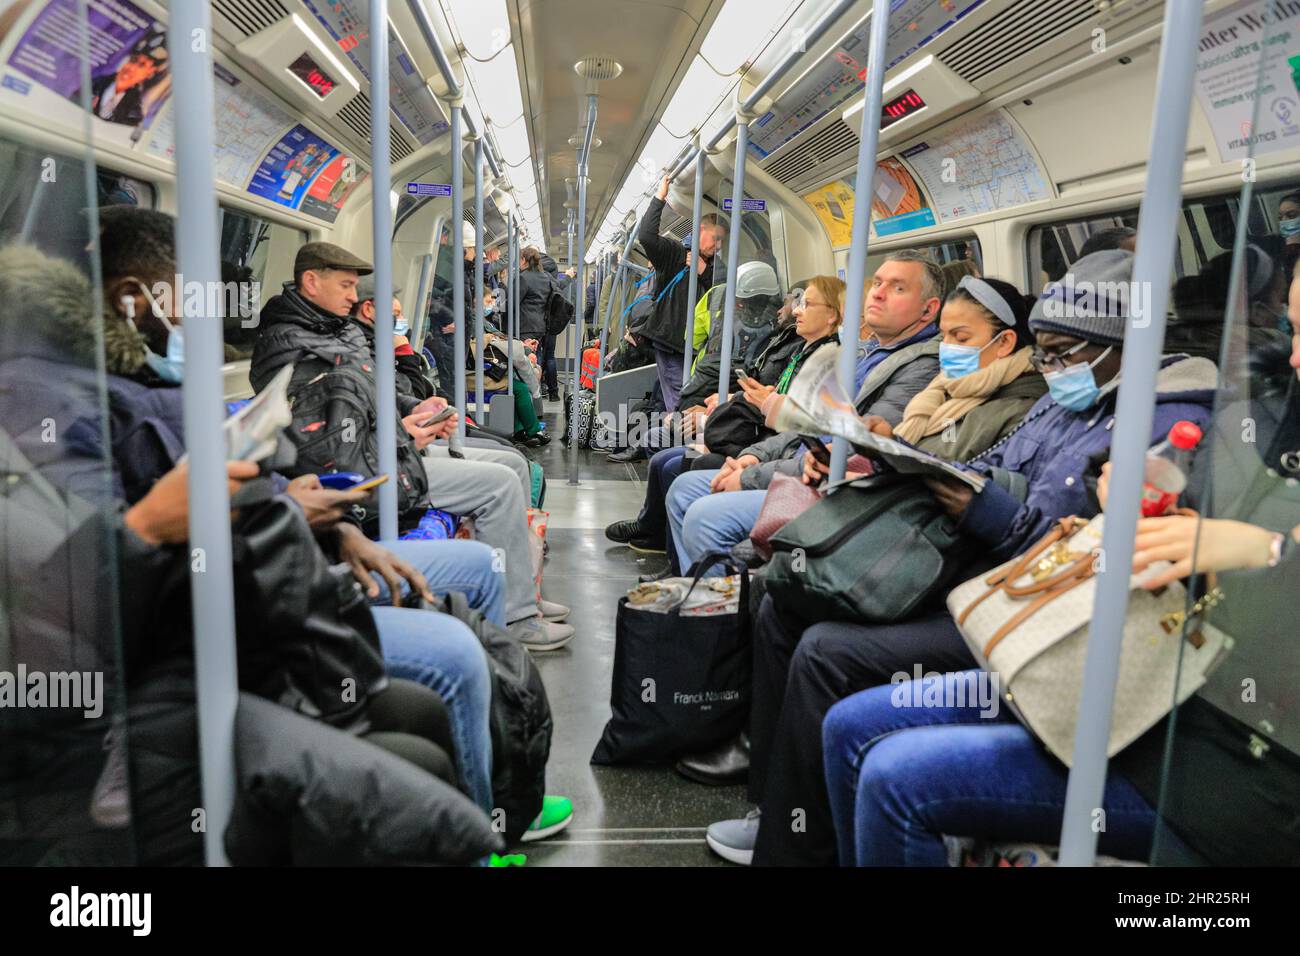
(322, 325)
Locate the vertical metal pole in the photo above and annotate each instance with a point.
(733, 253)
(580, 298)
(1157, 234)
(458, 254)
(382, 227)
(213, 594)
(693, 279)
(480, 258)
(420, 326)
(512, 286)
(861, 234)
(573, 367)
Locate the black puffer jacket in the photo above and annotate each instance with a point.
(667, 327)
(335, 421)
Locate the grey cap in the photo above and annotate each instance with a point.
(1094, 300)
(326, 255)
(366, 288)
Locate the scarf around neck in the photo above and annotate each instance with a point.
(948, 400)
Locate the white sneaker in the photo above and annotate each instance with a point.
(538, 634)
(734, 840)
(552, 611)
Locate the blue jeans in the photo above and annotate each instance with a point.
(702, 522)
(901, 776)
(464, 566)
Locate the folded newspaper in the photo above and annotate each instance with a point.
(711, 597)
(816, 405)
(252, 432)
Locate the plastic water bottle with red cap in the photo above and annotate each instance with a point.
(1166, 470)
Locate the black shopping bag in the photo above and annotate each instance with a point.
(681, 683)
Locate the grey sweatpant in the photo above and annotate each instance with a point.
(489, 493)
(485, 449)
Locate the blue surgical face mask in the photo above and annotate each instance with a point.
(401, 326)
(1289, 228)
(170, 367)
(957, 361)
(1075, 387)
(489, 308)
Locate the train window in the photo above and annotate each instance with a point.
(965, 249)
(257, 254)
(756, 241)
(32, 196)
(1202, 264)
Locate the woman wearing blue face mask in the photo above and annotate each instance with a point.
(986, 383)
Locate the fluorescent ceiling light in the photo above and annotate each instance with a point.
(738, 30)
(496, 84)
(325, 52)
(694, 98)
(484, 25)
(889, 87)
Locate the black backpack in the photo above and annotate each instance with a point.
(335, 429)
(559, 312)
(520, 721)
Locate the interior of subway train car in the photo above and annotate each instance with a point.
(490, 433)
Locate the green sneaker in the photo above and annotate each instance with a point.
(510, 859)
(557, 813)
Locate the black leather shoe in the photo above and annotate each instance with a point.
(667, 572)
(621, 532)
(627, 455)
(726, 764)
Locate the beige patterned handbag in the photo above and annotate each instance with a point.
(1028, 621)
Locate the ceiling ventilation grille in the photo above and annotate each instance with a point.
(251, 16)
(828, 144)
(356, 117)
(1023, 26)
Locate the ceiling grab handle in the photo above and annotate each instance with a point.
(213, 592)
(850, 329)
(1134, 410)
(693, 278)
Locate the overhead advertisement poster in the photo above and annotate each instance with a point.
(841, 76)
(896, 206)
(1248, 52)
(302, 171)
(347, 21)
(130, 76)
(247, 122)
(978, 167)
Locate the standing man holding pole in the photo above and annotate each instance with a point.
(671, 260)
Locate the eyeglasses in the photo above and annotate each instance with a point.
(802, 304)
(1045, 363)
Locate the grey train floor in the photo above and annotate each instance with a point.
(623, 816)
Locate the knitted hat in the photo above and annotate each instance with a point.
(1095, 300)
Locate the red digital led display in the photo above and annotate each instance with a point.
(317, 80)
(900, 107)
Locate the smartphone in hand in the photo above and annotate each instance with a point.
(440, 417)
(817, 447)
